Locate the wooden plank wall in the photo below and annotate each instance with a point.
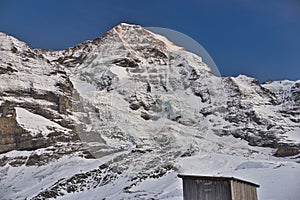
(195, 189)
(243, 191)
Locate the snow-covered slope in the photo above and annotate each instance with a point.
(120, 116)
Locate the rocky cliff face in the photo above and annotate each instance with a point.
(133, 96)
(30, 81)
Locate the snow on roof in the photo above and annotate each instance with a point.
(220, 178)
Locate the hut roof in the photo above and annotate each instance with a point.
(216, 178)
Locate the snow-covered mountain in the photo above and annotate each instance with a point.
(120, 116)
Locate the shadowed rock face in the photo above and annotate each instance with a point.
(9, 129)
(15, 137)
(31, 82)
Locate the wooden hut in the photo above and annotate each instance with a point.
(217, 188)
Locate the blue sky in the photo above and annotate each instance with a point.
(259, 38)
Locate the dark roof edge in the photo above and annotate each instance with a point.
(216, 178)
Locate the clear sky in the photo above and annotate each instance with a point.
(258, 38)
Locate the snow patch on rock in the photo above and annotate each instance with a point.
(36, 124)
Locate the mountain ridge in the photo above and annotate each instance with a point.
(134, 108)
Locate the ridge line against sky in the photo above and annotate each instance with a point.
(251, 37)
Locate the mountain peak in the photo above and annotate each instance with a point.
(133, 100)
(134, 34)
(123, 24)
(8, 43)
